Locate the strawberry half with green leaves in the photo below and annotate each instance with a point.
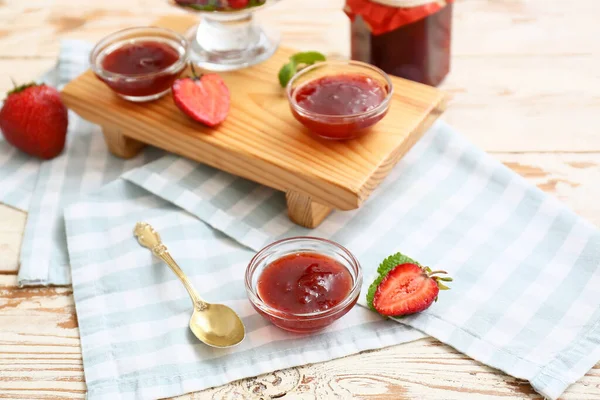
(404, 287)
(205, 98)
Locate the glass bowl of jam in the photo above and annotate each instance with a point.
(339, 100)
(228, 37)
(303, 284)
(140, 64)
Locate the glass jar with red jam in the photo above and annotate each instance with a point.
(339, 100)
(140, 64)
(303, 284)
(407, 38)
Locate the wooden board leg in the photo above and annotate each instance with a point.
(305, 212)
(119, 145)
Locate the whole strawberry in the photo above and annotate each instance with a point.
(34, 120)
(204, 98)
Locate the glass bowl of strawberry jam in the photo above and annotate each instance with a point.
(339, 99)
(303, 284)
(140, 64)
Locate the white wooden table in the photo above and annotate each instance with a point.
(526, 85)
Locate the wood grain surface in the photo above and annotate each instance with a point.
(261, 140)
(525, 83)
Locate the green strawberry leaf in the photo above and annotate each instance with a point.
(385, 267)
(286, 73)
(307, 57)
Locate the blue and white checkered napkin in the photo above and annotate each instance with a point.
(45, 188)
(524, 298)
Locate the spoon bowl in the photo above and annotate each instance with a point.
(217, 326)
(214, 324)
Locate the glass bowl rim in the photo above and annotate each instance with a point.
(106, 41)
(311, 114)
(272, 311)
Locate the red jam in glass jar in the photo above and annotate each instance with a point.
(407, 38)
(339, 99)
(304, 283)
(140, 64)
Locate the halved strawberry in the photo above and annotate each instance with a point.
(408, 289)
(204, 98)
(238, 3)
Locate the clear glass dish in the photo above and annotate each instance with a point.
(309, 322)
(346, 126)
(227, 37)
(140, 87)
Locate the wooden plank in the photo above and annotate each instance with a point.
(12, 223)
(29, 30)
(503, 27)
(303, 211)
(261, 140)
(40, 355)
(509, 78)
(274, 149)
(526, 104)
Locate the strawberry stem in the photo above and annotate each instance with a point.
(437, 272)
(195, 76)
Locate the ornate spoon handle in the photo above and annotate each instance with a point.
(149, 238)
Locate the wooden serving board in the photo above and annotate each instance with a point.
(261, 140)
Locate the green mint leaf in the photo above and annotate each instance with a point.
(303, 58)
(256, 3)
(307, 57)
(384, 268)
(286, 73)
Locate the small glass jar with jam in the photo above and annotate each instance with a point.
(303, 284)
(339, 100)
(140, 64)
(407, 38)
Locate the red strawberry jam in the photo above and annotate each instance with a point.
(338, 106)
(143, 67)
(140, 58)
(303, 283)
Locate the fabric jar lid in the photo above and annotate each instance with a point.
(383, 16)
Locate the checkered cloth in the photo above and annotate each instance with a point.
(45, 188)
(526, 271)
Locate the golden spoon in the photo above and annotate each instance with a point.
(214, 324)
